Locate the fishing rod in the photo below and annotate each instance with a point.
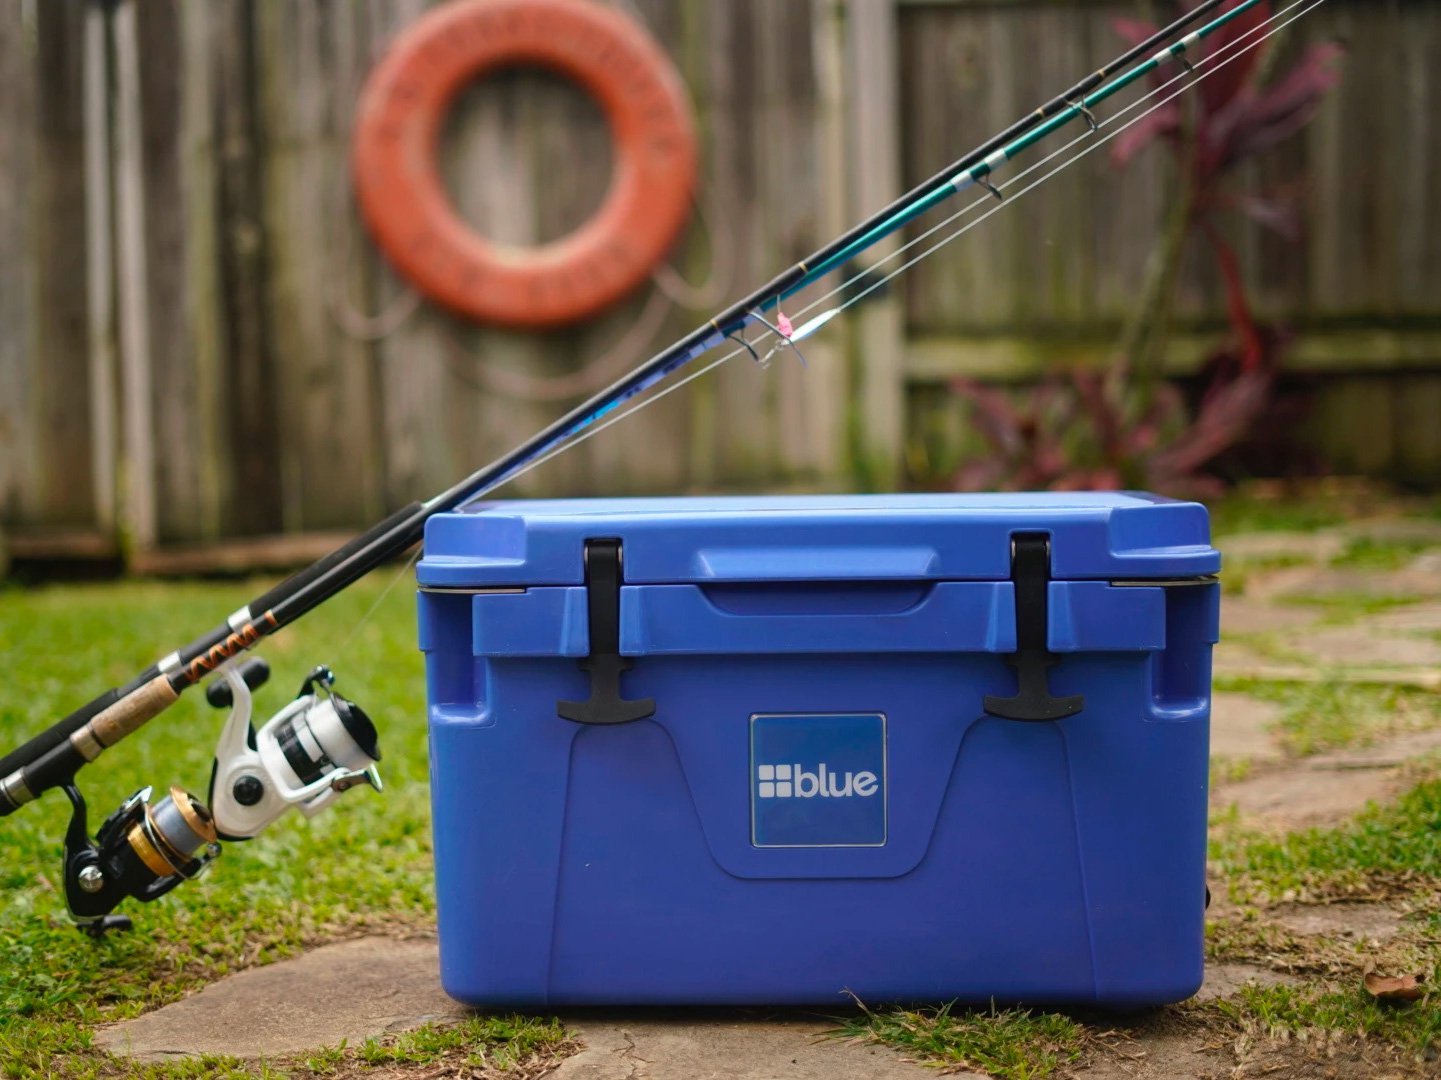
(322, 744)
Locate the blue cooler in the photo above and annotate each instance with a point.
(770, 750)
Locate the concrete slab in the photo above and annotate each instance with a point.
(1231, 657)
(371, 987)
(1224, 980)
(1371, 923)
(1328, 788)
(1244, 615)
(1316, 546)
(1363, 643)
(1420, 618)
(1420, 580)
(730, 1047)
(1241, 728)
(1392, 530)
(353, 990)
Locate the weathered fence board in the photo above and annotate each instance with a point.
(46, 468)
(20, 458)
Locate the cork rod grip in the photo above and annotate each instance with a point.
(132, 711)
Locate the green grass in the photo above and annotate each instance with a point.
(1241, 514)
(1391, 852)
(1366, 553)
(1009, 1044)
(364, 863)
(497, 1042)
(1327, 716)
(1312, 1014)
(1399, 841)
(1241, 572)
(1317, 509)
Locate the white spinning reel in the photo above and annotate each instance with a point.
(305, 756)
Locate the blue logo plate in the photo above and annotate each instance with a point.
(818, 780)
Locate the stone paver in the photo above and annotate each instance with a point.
(376, 986)
(1413, 617)
(1316, 546)
(1223, 980)
(1362, 643)
(1157, 1055)
(371, 987)
(1241, 728)
(1358, 922)
(1420, 580)
(1392, 530)
(352, 990)
(1328, 788)
(1243, 615)
(1232, 657)
(731, 1047)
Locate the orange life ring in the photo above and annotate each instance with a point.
(403, 199)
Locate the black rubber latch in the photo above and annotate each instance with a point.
(1031, 577)
(605, 663)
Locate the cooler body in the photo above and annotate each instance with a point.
(839, 782)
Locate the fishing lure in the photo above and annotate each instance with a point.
(321, 744)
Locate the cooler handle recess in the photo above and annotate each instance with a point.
(946, 617)
(830, 562)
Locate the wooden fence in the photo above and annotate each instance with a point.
(198, 340)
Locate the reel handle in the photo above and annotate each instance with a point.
(253, 671)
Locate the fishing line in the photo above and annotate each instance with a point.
(986, 200)
(814, 324)
(1191, 80)
(1096, 145)
(596, 429)
(404, 571)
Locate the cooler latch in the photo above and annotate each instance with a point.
(1031, 576)
(605, 663)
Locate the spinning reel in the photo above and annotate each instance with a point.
(308, 754)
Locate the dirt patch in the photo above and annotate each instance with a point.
(1225, 979)
(1328, 788)
(737, 1045)
(1356, 922)
(1419, 580)
(1160, 1056)
(1241, 728)
(1413, 617)
(1364, 644)
(1243, 615)
(1322, 1058)
(1315, 546)
(1392, 530)
(1301, 798)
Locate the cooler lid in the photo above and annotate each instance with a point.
(943, 537)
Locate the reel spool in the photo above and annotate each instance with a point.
(143, 850)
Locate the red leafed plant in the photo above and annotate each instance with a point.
(1127, 427)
